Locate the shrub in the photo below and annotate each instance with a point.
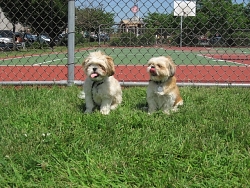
(239, 38)
(128, 39)
(79, 39)
(146, 39)
(115, 42)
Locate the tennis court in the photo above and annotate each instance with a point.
(194, 64)
(140, 56)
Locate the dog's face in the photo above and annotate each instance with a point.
(97, 66)
(161, 68)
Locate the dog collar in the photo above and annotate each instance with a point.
(157, 82)
(98, 83)
(160, 82)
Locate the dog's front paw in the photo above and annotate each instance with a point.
(88, 111)
(105, 111)
(150, 112)
(81, 95)
(151, 108)
(167, 112)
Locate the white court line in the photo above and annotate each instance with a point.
(79, 57)
(18, 57)
(46, 62)
(215, 59)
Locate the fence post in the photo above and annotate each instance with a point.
(71, 41)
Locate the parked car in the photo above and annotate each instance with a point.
(216, 41)
(93, 37)
(86, 34)
(61, 39)
(44, 38)
(35, 37)
(6, 36)
(103, 37)
(28, 37)
(61, 36)
(6, 40)
(99, 37)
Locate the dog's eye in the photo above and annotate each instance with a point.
(159, 66)
(102, 67)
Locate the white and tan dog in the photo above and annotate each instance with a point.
(162, 92)
(100, 87)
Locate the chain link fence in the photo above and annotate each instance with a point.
(45, 42)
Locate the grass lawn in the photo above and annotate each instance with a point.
(47, 141)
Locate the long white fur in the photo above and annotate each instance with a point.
(103, 91)
(162, 91)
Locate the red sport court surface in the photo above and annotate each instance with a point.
(137, 73)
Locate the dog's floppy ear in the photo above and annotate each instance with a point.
(172, 67)
(111, 66)
(84, 64)
(85, 61)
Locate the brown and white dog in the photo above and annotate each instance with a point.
(162, 92)
(100, 87)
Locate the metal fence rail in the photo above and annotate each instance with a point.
(44, 42)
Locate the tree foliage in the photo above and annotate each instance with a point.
(159, 23)
(213, 16)
(220, 15)
(89, 19)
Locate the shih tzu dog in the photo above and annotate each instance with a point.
(162, 92)
(100, 87)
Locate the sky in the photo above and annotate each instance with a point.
(122, 8)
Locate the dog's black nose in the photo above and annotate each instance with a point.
(94, 69)
(152, 66)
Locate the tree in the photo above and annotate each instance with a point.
(89, 19)
(219, 16)
(163, 24)
(247, 12)
(43, 16)
(212, 16)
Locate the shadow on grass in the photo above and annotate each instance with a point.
(81, 106)
(142, 107)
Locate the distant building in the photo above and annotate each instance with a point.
(133, 25)
(5, 24)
